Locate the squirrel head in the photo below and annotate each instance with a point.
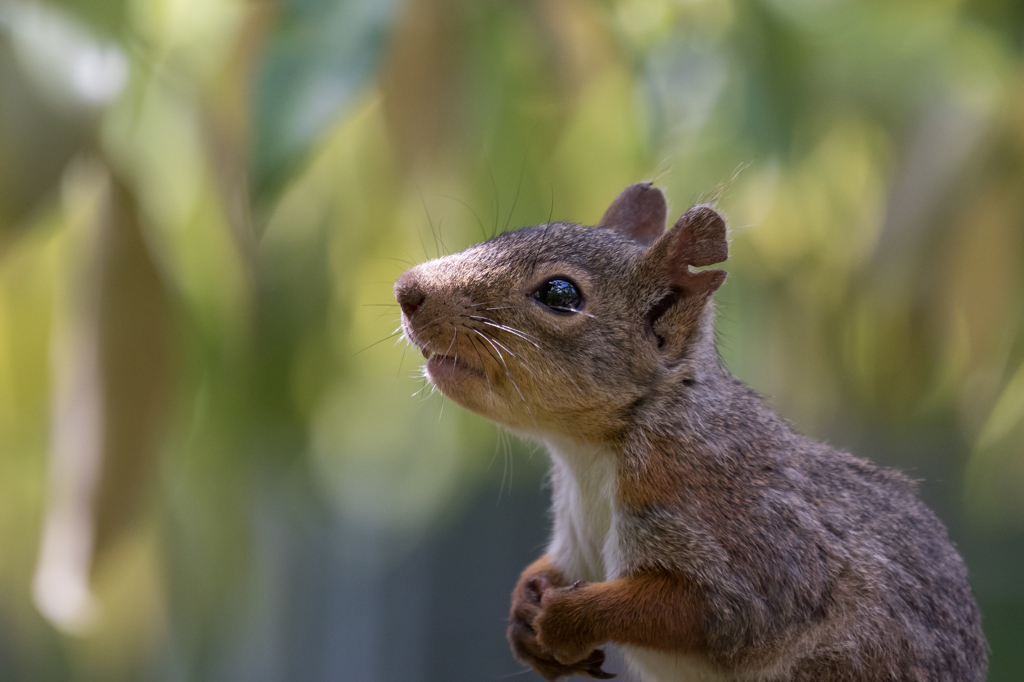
(565, 329)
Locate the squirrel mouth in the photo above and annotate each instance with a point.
(441, 367)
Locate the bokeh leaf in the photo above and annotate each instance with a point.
(320, 57)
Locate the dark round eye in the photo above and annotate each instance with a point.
(560, 295)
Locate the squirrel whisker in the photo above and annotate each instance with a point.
(507, 373)
(472, 342)
(510, 330)
(486, 349)
(513, 354)
(389, 336)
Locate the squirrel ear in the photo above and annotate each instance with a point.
(697, 239)
(638, 212)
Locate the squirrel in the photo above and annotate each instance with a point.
(693, 528)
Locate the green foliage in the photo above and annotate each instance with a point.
(203, 205)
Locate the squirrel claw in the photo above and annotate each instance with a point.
(591, 666)
(536, 588)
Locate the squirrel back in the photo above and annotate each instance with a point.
(711, 536)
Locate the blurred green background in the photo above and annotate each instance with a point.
(211, 465)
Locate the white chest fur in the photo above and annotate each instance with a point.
(584, 543)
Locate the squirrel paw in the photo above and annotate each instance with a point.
(522, 635)
(561, 628)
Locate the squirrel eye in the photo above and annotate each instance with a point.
(560, 295)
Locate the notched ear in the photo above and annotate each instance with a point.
(639, 213)
(697, 239)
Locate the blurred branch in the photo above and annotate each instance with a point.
(110, 379)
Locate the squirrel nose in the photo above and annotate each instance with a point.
(409, 294)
